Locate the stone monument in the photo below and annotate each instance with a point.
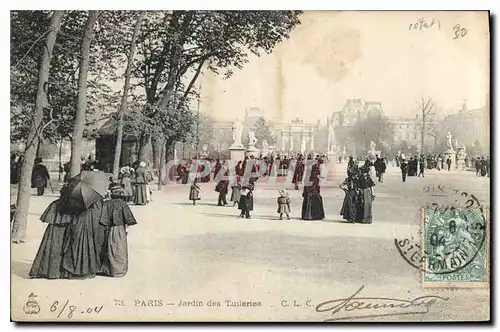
(450, 152)
(237, 149)
(460, 158)
(251, 149)
(303, 146)
(265, 148)
(331, 142)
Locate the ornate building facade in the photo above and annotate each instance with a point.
(295, 136)
(353, 110)
(470, 125)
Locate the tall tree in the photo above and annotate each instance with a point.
(425, 117)
(24, 191)
(263, 132)
(27, 28)
(376, 127)
(175, 46)
(126, 87)
(76, 141)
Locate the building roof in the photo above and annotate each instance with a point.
(109, 128)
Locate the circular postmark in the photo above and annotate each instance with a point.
(454, 247)
(452, 240)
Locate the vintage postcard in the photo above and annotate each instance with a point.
(250, 166)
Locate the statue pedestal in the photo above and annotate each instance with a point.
(335, 171)
(252, 151)
(237, 153)
(452, 155)
(372, 155)
(460, 158)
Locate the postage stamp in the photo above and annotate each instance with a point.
(455, 248)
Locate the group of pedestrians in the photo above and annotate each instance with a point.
(86, 233)
(412, 167)
(359, 193)
(134, 183)
(482, 166)
(87, 226)
(245, 181)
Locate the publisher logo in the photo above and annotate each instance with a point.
(31, 307)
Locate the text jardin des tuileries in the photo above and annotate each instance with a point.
(197, 303)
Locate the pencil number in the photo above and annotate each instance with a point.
(459, 32)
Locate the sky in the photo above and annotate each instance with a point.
(376, 56)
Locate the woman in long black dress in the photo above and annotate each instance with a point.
(140, 180)
(47, 263)
(72, 243)
(116, 218)
(83, 244)
(366, 185)
(312, 205)
(351, 209)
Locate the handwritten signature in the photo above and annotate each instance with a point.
(393, 307)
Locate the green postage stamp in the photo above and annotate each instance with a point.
(455, 247)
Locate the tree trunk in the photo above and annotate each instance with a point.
(38, 143)
(144, 147)
(77, 138)
(60, 157)
(161, 166)
(156, 145)
(123, 106)
(24, 187)
(422, 136)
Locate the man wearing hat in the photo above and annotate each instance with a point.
(40, 177)
(404, 167)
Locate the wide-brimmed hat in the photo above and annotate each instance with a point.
(283, 192)
(116, 189)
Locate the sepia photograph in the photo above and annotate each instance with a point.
(277, 166)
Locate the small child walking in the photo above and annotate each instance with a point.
(246, 201)
(194, 191)
(283, 204)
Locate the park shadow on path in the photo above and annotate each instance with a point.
(191, 204)
(267, 217)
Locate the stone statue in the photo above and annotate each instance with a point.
(265, 147)
(303, 145)
(237, 132)
(252, 140)
(448, 141)
(372, 146)
(331, 138)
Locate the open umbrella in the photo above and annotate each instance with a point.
(85, 189)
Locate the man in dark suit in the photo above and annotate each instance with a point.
(40, 177)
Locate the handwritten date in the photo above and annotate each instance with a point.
(69, 310)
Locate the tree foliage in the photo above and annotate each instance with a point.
(27, 37)
(175, 46)
(263, 132)
(375, 127)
